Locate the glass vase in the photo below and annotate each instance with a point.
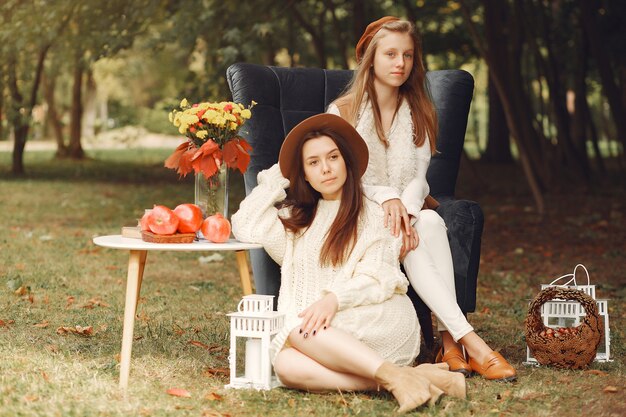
(211, 194)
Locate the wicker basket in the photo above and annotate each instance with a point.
(573, 350)
(175, 238)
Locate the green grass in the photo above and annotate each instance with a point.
(49, 218)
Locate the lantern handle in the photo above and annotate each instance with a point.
(573, 277)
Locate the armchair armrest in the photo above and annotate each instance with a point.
(464, 220)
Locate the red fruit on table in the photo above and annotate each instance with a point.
(162, 221)
(143, 223)
(216, 228)
(190, 218)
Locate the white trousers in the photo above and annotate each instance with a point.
(430, 272)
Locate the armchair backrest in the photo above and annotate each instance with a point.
(286, 96)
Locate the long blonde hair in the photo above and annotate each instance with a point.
(413, 90)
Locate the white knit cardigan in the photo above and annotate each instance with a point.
(396, 171)
(369, 286)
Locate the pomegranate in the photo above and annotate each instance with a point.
(190, 218)
(162, 221)
(216, 228)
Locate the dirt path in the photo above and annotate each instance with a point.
(125, 138)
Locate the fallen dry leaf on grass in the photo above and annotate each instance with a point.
(94, 302)
(78, 330)
(178, 392)
(213, 413)
(23, 290)
(70, 301)
(198, 344)
(211, 396)
(611, 389)
(42, 325)
(217, 371)
(45, 376)
(6, 323)
(596, 372)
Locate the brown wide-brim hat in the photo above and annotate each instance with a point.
(369, 33)
(356, 145)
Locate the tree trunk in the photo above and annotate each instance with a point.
(317, 36)
(88, 127)
(339, 34)
(581, 119)
(551, 69)
(2, 116)
(358, 20)
(498, 138)
(502, 50)
(588, 14)
(75, 148)
(49, 86)
(22, 112)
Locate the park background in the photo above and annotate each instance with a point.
(85, 89)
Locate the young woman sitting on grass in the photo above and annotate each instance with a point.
(349, 323)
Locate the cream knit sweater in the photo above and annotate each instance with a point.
(396, 171)
(369, 286)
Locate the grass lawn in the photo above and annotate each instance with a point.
(52, 276)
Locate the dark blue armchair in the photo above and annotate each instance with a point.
(286, 96)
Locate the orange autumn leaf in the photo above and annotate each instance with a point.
(173, 160)
(42, 325)
(198, 344)
(77, 330)
(237, 154)
(185, 166)
(217, 371)
(207, 159)
(180, 159)
(212, 396)
(178, 392)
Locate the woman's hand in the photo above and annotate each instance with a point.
(318, 315)
(409, 242)
(395, 216)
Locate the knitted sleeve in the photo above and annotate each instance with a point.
(257, 220)
(380, 193)
(416, 191)
(375, 278)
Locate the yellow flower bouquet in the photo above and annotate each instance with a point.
(212, 132)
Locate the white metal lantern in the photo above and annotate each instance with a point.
(256, 322)
(562, 313)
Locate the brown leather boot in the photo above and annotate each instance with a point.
(409, 388)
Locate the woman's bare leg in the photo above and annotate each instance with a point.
(338, 351)
(297, 370)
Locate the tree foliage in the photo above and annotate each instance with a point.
(556, 68)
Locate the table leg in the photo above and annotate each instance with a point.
(244, 272)
(142, 264)
(135, 270)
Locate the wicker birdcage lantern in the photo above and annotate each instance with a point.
(255, 323)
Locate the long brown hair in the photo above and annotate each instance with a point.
(302, 200)
(413, 90)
